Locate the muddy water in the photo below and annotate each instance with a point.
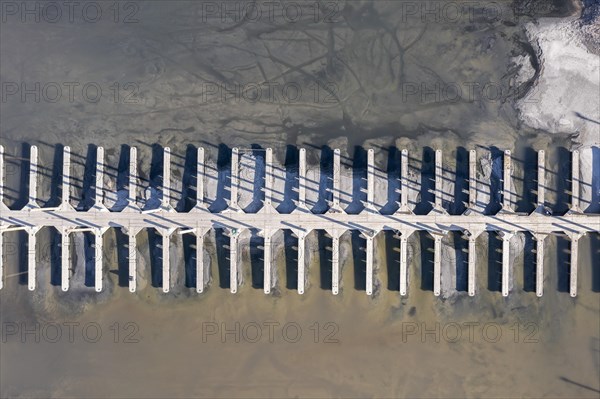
(370, 74)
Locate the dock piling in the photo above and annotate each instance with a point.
(33, 170)
(404, 183)
(302, 178)
(506, 187)
(200, 171)
(539, 264)
(235, 179)
(506, 266)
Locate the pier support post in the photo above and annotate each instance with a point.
(335, 203)
(33, 170)
(99, 189)
(166, 258)
(439, 171)
(370, 206)
(200, 174)
(267, 268)
(166, 186)
(472, 257)
(66, 181)
(574, 262)
(404, 183)
(541, 183)
(575, 178)
(472, 180)
(539, 263)
(506, 187)
(1, 258)
(98, 257)
(302, 179)
(506, 266)
(269, 177)
(65, 258)
(133, 180)
(301, 260)
(335, 263)
(404, 235)
(335, 259)
(2, 205)
(132, 250)
(233, 260)
(31, 258)
(437, 263)
(200, 283)
(235, 179)
(369, 236)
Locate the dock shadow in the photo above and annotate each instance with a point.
(562, 198)
(89, 255)
(189, 242)
(55, 254)
(88, 189)
(528, 200)
(258, 185)
(257, 254)
(496, 181)
(291, 259)
(122, 271)
(359, 244)
(427, 258)
(494, 282)
(21, 194)
(55, 198)
(222, 243)
(563, 263)
(427, 186)
(393, 181)
(325, 181)
(461, 182)
(156, 259)
(122, 180)
(594, 206)
(461, 251)
(595, 266)
(22, 247)
(223, 193)
(188, 181)
(291, 165)
(359, 181)
(392, 254)
(529, 263)
(325, 243)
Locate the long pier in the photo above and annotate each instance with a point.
(301, 221)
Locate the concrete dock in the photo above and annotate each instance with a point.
(66, 219)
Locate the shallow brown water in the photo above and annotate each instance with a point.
(186, 345)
